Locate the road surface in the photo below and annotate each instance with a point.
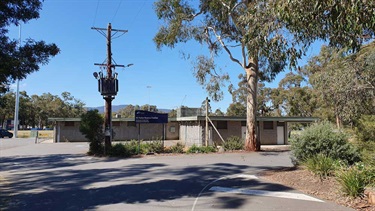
(59, 176)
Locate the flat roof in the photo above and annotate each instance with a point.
(202, 118)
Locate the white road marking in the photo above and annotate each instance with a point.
(287, 195)
(246, 176)
(225, 177)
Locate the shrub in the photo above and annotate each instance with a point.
(203, 149)
(119, 150)
(321, 165)
(353, 180)
(124, 150)
(323, 139)
(92, 128)
(178, 148)
(234, 143)
(365, 130)
(152, 147)
(367, 152)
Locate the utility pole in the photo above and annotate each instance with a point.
(108, 85)
(207, 104)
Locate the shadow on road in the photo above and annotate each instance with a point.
(74, 182)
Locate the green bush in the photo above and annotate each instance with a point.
(321, 165)
(92, 128)
(178, 148)
(365, 130)
(323, 139)
(152, 147)
(203, 149)
(234, 143)
(353, 180)
(124, 150)
(367, 152)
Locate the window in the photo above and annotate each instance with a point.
(131, 124)
(69, 124)
(116, 124)
(222, 125)
(172, 129)
(268, 125)
(243, 123)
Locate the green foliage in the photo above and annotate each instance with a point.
(203, 149)
(126, 149)
(367, 152)
(130, 148)
(152, 147)
(321, 165)
(323, 139)
(343, 83)
(365, 130)
(17, 62)
(234, 143)
(178, 148)
(353, 180)
(36, 109)
(92, 128)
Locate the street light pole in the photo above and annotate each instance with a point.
(16, 110)
(149, 96)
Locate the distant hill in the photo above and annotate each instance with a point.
(116, 108)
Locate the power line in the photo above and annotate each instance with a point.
(118, 7)
(96, 12)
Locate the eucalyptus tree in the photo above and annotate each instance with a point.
(17, 62)
(298, 99)
(346, 83)
(261, 36)
(128, 111)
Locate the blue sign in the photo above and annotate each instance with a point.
(150, 117)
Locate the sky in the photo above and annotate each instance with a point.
(157, 77)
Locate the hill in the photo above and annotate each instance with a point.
(116, 108)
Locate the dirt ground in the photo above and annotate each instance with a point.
(327, 189)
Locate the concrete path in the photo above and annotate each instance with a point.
(50, 176)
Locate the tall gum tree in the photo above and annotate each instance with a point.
(266, 35)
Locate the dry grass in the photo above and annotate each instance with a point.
(41, 133)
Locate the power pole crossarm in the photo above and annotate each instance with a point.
(104, 29)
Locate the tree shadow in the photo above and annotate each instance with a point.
(56, 182)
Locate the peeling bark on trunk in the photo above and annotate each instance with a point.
(252, 143)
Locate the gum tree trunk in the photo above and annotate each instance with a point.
(251, 142)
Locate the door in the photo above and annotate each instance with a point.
(243, 132)
(280, 135)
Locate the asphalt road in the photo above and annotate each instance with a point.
(59, 176)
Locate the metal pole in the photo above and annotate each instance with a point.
(206, 137)
(149, 96)
(16, 110)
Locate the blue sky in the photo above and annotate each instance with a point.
(68, 24)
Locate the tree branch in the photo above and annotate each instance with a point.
(225, 47)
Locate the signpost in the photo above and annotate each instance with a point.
(147, 117)
(150, 117)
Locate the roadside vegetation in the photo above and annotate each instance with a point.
(346, 156)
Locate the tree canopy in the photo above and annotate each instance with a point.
(268, 35)
(18, 60)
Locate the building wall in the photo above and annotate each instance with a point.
(69, 131)
(172, 131)
(233, 129)
(268, 136)
(191, 133)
